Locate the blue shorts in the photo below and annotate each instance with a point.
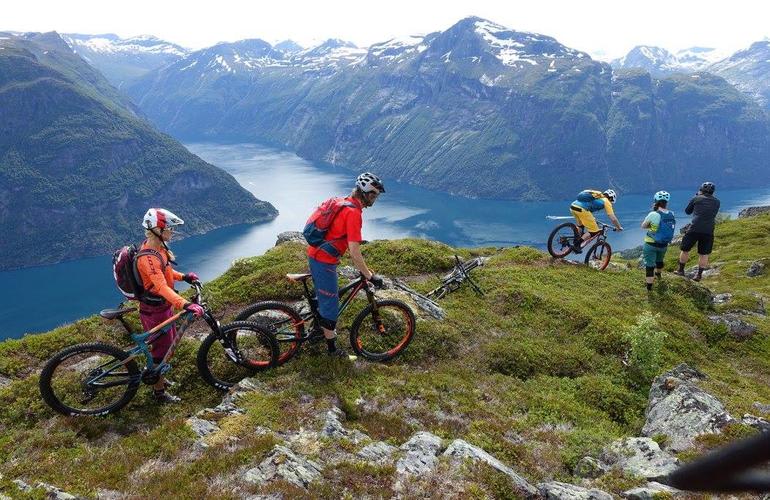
(326, 288)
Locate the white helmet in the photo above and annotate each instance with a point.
(611, 195)
(160, 218)
(368, 182)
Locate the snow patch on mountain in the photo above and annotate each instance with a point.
(112, 44)
(513, 47)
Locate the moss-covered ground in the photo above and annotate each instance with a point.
(537, 372)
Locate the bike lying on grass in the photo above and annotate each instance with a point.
(567, 236)
(380, 332)
(98, 378)
(455, 279)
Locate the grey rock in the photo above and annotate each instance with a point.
(332, 425)
(649, 491)
(271, 496)
(423, 302)
(589, 468)
(201, 427)
(282, 463)
(555, 490)
(738, 328)
(334, 429)
(761, 408)
(22, 485)
(641, 457)
(757, 268)
(709, 272)
(753, 211)
(461, 450)
(378, 452)
(102, 494)
(421, 451)
(721, 298)
(758, 423)
(55, 493)
(288, 236)
(4, 381)
(681, 410)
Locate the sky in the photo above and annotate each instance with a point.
(602, 28)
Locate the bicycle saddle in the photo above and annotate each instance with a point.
(115, 313)
(298, 276)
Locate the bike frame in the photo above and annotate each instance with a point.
(351, 289)
(144, 340)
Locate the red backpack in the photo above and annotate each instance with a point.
(317, 226)
(127, 277)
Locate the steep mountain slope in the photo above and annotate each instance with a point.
(124, 60)
(539, 372)
(477, 110)
(657, 61)
(78, 168)
(749, 71)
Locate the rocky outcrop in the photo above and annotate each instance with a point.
(378, 452)
(555, 490)
(334, 429)
(681, 410)
(288, 236)
(420, 454)
(282, 463)
(461, 450)
(758, 423)
(753, 211)
(4, 381)
(757, 268)
(721, 298)
(589, 468)
(640, 457)
(738, 328)
(651, 491)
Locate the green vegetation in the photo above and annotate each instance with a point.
(550, 365)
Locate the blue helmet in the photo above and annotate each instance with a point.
(662, 196)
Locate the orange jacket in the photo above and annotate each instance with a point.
(155, 280)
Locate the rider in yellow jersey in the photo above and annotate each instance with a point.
(587, 202)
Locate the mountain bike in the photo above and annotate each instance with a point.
(567, 236)
(380, 332)
(98, 378)
(455, 279)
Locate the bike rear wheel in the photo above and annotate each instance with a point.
(217, 356)
(281, 320)
(562, 238)
(599, 256)
(89, 379)
(382, 332)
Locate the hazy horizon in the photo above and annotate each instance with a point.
(597, 27)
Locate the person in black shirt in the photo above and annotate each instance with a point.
(704, 208)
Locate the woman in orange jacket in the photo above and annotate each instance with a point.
(158, 279)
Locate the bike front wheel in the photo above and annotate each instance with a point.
(243, 349)
(382, 330)
(89, 379)
(599, 256)
(561, 239)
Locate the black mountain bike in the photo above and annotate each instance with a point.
(380, 332)
(567, 236)
(455, 279)
(98, 378)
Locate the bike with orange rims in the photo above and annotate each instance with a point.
(380, 332)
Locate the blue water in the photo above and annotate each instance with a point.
(38, 299)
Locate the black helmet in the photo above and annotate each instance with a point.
(707, 188)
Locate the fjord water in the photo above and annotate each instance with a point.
(40, 298)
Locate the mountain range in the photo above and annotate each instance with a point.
(79, 164)
(477, 110)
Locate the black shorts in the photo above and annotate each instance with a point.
(705, 242)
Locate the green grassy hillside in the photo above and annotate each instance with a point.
(537, 372)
